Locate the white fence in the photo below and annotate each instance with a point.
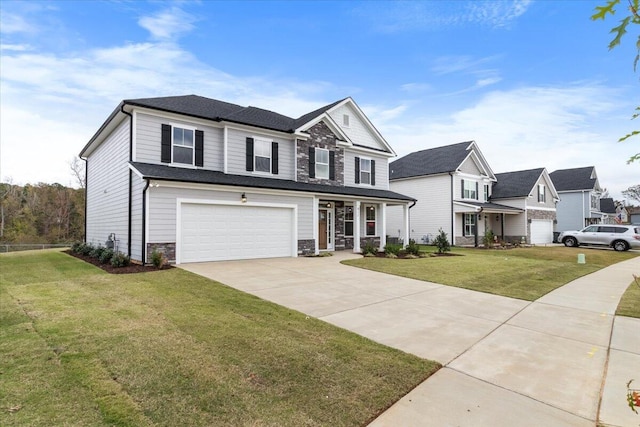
(31, 246)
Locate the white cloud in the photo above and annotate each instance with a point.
(497, 14)
(168, 24)
(552, 127)
(11, 23)
(415, 87)
(15, 47)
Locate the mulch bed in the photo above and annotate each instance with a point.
(132, 268)
(403, 255)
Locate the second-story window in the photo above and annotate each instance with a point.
(262, 156)
(322, 163)
(183, 146)
(365, 171)
(486, 192)
(542, 196)
(469, 189)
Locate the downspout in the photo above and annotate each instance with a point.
(130, 209)
(86, 194)
(409, 230)
(453, 218)
(144, 222)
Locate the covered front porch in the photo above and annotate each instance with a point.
(473, 219)
(350, 223)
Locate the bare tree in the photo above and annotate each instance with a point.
(78, 171)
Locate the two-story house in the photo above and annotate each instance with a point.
(202, 180)
(580, 194)
(453, 185)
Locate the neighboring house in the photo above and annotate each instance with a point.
(634, 214)
(533, 192)
(201, 180)
(616, 213)
(580, 193)
(453, 186)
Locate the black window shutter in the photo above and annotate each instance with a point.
(249, 154)
(199, 148)
(312, 162)
(373, 172)
(165, 152)
(357, 174)
(274, 158)
(462, 188)
(477, 191)
(332, 165)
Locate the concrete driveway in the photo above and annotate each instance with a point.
(507, 362)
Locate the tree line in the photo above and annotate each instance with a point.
(41, 213)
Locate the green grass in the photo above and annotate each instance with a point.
(630, 302)
(524, 273)
(84, 348)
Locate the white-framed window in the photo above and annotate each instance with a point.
(486, 192)
(594, 201)
(348, 220)
(262, 155)
(345, 120)
(370, 220)
(470, 190)
(542, 196)
(469, 228)
(365, 171)
(182, 145)
(322, 163)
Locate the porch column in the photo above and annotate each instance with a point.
(316, 206)
(383, 225)
(356, 227)
(405, 217)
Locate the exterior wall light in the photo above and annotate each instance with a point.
(243, 198)
(328, 204)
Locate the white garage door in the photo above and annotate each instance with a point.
(541, 231)
(221, 232)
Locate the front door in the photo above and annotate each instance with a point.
(325, 229)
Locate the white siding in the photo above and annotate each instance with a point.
(236, 152)
(469, 166)
(533, 203)
(571, 210)
(136, 217)
(382, 170)
(431, 212)
(162, 209)
(515, 225)
(357, 131)
(148, 140)
(108, 189)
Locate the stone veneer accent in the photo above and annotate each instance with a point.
(168, 249)
(467, 240)
(339, 239)
(320, 137)
(306, 247)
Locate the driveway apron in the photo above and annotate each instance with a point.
(507, 362)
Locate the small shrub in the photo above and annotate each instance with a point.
(390, 255)
(75, 248)
(86, 249)
(369, 248)
(97, 252)
(392, 249)
(369, 255)
(120, 260)
(488, 239)
(412, 256)
(442, 243)
(106, 255)
(413, 248)
(158, 259)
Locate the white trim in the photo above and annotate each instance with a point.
(356, 227)
(473, 147)
(225, 149)
(333, 126)
(193, 146)
(383, 221)
(135, 171)
(315, 161)
(269, 143)
(295, 159)
(370, 151)
(368, 184)
(315, 207)
(255, 129)
(147, 214)
(194, 121)
(134, 136)
(540, 208)
(180, 201)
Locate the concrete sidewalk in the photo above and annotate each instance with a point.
(507, 362)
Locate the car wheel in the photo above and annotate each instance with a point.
(570, 242)
(620, 245)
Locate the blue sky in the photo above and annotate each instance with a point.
(532, 82)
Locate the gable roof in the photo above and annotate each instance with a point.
(575, 179)
(607, 206)
(434, 161)
(204, 176)
(515, 184)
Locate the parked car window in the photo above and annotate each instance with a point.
(591, 229)
(620, 230)
(605, 229)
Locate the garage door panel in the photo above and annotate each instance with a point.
(541, 231)
(213, 232)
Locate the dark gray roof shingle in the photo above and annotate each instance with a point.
(573, 179)
(607, 206)
(429, 162)
(203, 176)
(515, 184)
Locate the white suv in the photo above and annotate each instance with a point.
(618, 237)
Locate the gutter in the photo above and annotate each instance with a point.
(130, 208)
(86, 194)
(144, 221)
(453, 238)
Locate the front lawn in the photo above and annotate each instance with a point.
(524, 273)
(82, 347)
(630, 302)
